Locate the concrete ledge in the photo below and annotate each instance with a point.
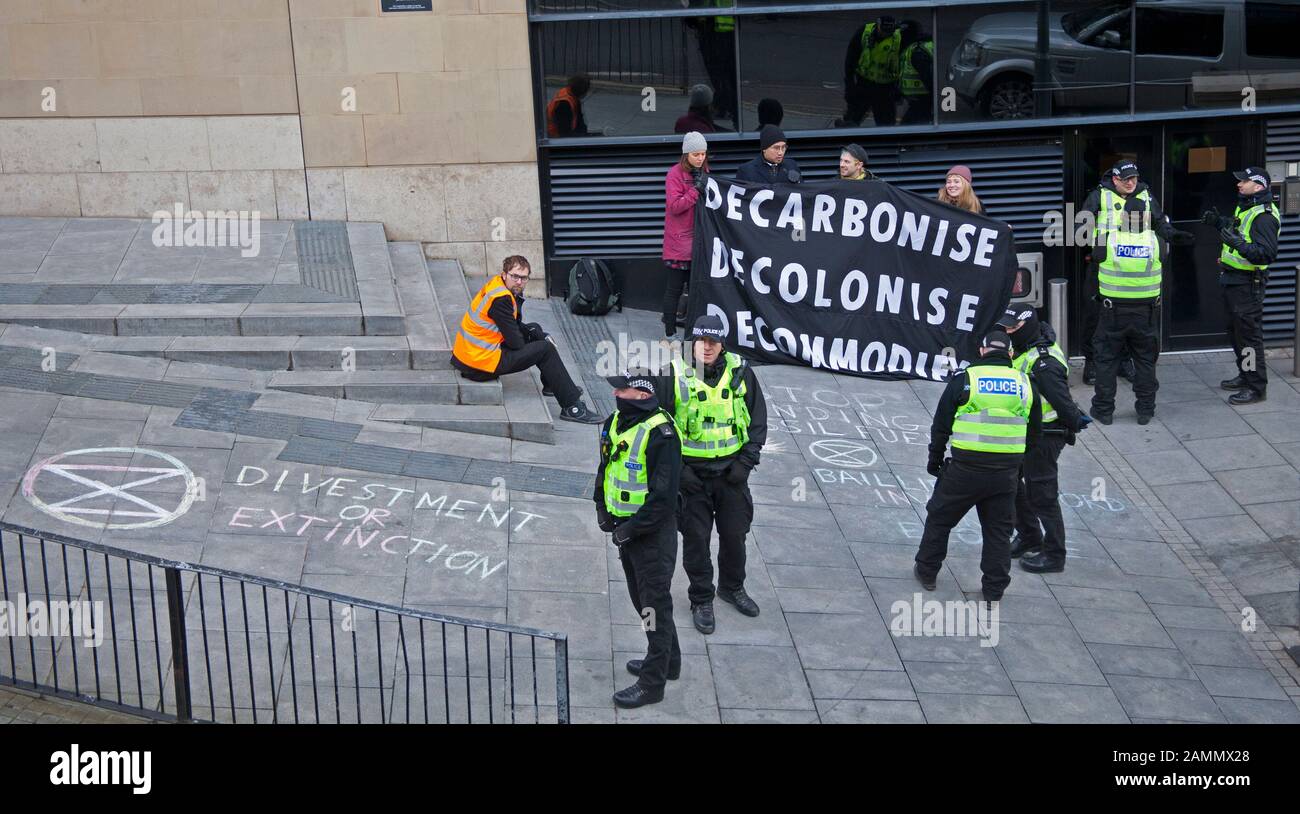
(301, 319)
(368, 352)
(175, 320)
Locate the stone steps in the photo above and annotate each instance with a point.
(206, 319)
(430, 387)
(277, 352)
(426, 330)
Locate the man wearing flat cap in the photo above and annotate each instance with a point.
(991, 415)
(853, 164)
(636, 501)
(721, 417)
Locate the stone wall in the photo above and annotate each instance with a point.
(326, 109)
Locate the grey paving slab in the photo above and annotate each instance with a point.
(759, 677)
(1226, 535)
(1070, 704)
(1153, 662)
(1173, 616)
(1197, 500)
(1174, 592)
(1214, 648)
(1239, 683)
(1070, 596)
(1136, 439)
(1261, 572)
(1234, 452)
(888, 685)
(1046, 654)
(870, 712)
(1276, 427)
(1256, 711)
(1290, 451)
(1144, 558)
(1170, 698)
(843, 641)
(1263, 485)
(557, 568)
(964, 679)
(1119, 627)
(1276, 609)
(690, 699)
(1167, 467)
(972, 709)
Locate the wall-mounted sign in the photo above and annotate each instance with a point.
(405, 5)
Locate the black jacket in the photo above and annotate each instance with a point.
(1163, 228)
(923, 64)
(955, 395)
(1262, 248)
(663, 460)
(759, 171)
(1051, 380)
(665, 387)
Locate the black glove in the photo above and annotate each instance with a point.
(697, 179)
(1181, 238)
(533, 332)
(1210, 217)
(934, 466)
(738, 472)
(690, 482)
(605, 520)
(1232, 238)
(622, 536)
(793, 175)
(1085, 421)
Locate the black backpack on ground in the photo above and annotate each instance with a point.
(591, 289)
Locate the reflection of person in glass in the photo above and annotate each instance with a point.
(698, 118)
(853, 164)
(564, 111)
(871, 70)
(682, 188)
(916, 73)
(717, 38)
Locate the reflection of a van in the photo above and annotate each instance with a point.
(1190, 53)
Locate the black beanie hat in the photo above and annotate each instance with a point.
(769, 135)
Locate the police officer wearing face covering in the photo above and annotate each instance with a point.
(722, 418)
(1039, 525)
(636, 500)
(991, 414)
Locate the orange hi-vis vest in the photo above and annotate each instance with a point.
(478, 342)
(562, 95)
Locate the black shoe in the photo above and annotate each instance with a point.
(581, 414)
(1144, 419)
(1238, 382)
(988, 597)
(634, 667)
(741, 600)
(637, 696)
(1021, 547)
(1041, 563)
(1126, 370)
(1102, 418)
(1089, 372)
(926, 582)
(702, 616)
(1247, 396)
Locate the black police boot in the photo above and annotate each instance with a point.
(702, 616)
(1089, 372)
(1041, 563)
(634, 667)
(1237, 382)
(1247, 396)
(1126, 370)
(1146, 419)
(637, 696)
(741, 600)
(581, 414)
(988, 597)
(1104, 418)
(926, 582)
(1020, 546)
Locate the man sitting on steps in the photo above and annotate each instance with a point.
(492, 342)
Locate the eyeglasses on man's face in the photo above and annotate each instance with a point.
(519, 278)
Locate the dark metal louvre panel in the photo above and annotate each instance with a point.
(1279, 299)
(609, 202)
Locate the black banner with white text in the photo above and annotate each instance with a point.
(857, 277)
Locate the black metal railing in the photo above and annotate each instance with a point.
(182, 642)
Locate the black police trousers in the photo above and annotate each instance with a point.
(1091, 315)
(1133, 328)
(992, 492)
(732, 507)
(541, 354)
(1244, 303)
(648, 563)
(1038, 498)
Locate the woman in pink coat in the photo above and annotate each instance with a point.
(683, 186)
